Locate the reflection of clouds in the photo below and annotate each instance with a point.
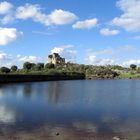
(7, 115)
(129, 129)
(86, 126)
(110, 118)
(1, 95)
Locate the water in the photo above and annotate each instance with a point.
(82, 109)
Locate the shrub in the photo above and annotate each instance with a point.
(39, 66)
(28, 66)
(4, 70)
(133, 66)
(14, 68)
(49, 66)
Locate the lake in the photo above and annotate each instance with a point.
(70, 110)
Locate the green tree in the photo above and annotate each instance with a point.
(39, 66)
(14, 68)
(49, 66)
(4, 70)
(133, 66)
(28, 66)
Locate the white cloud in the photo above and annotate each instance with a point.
(6, 10)
(32, 59)
(92, 59)
(8, 35)
(7, 19)
(87, 24)
(108, 32)
(66, 51)
(130, 19)
(106, 56)
(112, 51)
(60, 17)
(56, 17)
(5, 7)
(4, 56)
(27, 11)
(9, 60)
(132, 61)
(34, 12)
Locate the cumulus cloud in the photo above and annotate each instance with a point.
(86, 24)
(27, 11)
(130, 19)
(56, 17)
(7, 19)
(8, 35)
(35, 12)
(66, 51)
(5, 7)
(106, 56)
(131, 61)
(91, 58)
(32, 59)
(8, 60)
(108, 32)
(6, 10)
(4, 56)
(112, 51)
(60, 17)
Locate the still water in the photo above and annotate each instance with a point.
(82, 109)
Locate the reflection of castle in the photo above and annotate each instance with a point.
(55, 59)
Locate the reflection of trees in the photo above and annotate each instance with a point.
(27, 90)
(54, 91)
(133, 91)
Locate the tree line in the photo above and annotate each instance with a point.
(91, 71)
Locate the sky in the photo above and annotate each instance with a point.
(97, 32)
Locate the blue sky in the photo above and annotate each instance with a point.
(88, 31)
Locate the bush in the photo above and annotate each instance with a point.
(49, 66)
(28, 66)
(14, 68)
(133, 66)
(39, 66)
(4, 70)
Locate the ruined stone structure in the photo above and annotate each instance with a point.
(55, 59)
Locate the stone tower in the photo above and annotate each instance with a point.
(55, 59)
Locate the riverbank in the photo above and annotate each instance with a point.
(57, 133)
(17, 78)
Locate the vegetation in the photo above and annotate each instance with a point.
(133, 66)
(72, 69)
(4, 70)
(14, 68)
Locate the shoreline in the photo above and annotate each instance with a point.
(21, 78)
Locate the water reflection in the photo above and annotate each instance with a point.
(54, 91)
(92, 108)
(7, 115)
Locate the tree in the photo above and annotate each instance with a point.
(49, 66)
(28, 65)
(14, 68)
(133, 66)
(39, 66)
(4, 70)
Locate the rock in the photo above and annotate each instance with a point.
(116, 138)
(57, 134)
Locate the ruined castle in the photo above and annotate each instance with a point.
(55, 59)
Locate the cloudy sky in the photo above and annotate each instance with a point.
(96, 32)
